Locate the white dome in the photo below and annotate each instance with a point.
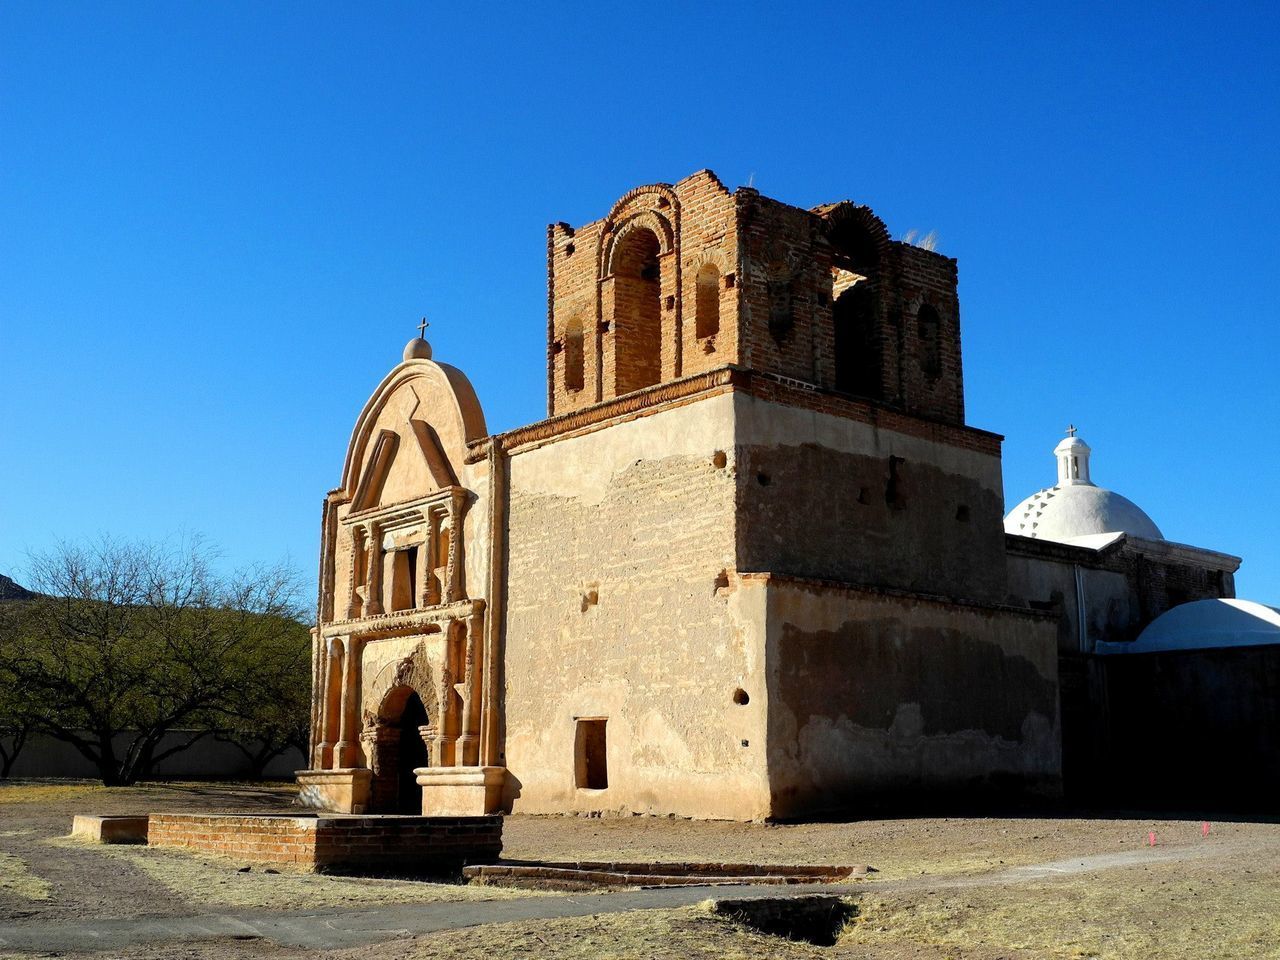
(1075, 507)
(1066, 513)
(1205, 625)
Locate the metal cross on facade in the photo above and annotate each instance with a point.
(422, 329)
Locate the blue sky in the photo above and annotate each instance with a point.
(221, 223)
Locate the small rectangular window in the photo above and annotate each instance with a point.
(590, 767)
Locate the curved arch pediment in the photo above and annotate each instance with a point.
(412, 432)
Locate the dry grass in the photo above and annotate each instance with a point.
(1192, 909)
(16, 878)
(53, 792)
(204, 879)
(688, 934)
(898, 849)
(1225, 907)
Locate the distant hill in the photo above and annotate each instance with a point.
(13, 591)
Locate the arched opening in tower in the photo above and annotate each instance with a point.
(857, 346)
(637, 311)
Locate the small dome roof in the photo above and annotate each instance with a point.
(1076, 508)
(417, 349)
(1205, 625)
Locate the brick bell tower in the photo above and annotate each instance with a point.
(685, 278)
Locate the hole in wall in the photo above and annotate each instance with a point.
(721, 582)
(590, 597)
(569, 250)
(962, 513)
(719, 459)
(893, 486)
(730, 281)
(762, 479)
(671, 303)
(864, 495)
(746, 743)
(741, 697)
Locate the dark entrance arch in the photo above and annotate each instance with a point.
(413, 754)
(397, 749)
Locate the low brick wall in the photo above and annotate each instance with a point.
(425, 845)
(586, 875)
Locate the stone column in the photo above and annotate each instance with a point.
(422, 588)
(430, 736)
(331, 705)
(359, 573)
(452, 573)
(347, 750)
(469, 741)
(373, 572)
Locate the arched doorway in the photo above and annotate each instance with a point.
(637, 311)
(397, 748)
(413, 754)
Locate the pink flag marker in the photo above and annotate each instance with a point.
(1151, 839)
(1204, 829)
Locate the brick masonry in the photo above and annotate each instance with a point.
(426, 845)
(686, 277)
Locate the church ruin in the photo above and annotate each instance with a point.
(752, 564)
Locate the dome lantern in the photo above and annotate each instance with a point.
(1073, 460)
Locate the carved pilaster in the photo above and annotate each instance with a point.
(347, 749)
(373, 573)
(469, 741)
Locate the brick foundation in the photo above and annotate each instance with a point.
(426, 845)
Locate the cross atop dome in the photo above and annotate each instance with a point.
(1071, 430)
(418, 348)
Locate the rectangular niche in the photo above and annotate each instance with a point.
(591, 765)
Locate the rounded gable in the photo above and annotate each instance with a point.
(427, 391)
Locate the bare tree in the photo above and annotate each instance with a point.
(17, 718)
(128, 642)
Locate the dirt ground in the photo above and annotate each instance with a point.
(943, 888)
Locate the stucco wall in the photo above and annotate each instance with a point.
(622, 603)
(875, 694)
(1107, 599)
(837, 498)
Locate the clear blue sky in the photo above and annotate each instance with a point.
(220, 222)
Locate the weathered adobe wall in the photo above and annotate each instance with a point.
(1124, 588)
(835, 498)
(435, 845)
(875, 695)
(1111, 608)
(697, 213)
(622, 603)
